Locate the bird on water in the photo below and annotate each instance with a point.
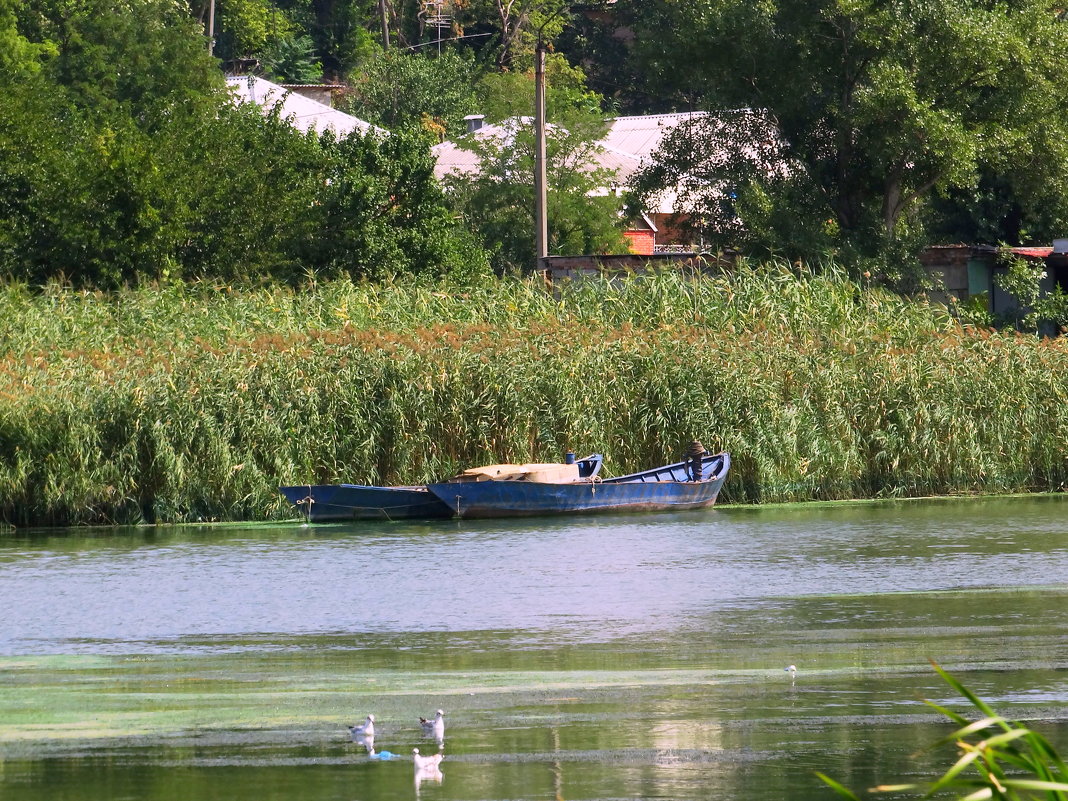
(366, 729)
(426, 763)
(435, 727)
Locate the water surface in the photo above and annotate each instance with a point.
(612, 657)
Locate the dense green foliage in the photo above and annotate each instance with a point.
(229, 194)
(194, 401)
(876, 107)
(122, 158)
(403, 90)
(863, 130)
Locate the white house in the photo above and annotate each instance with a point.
(629, 145)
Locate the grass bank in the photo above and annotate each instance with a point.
(192, 402)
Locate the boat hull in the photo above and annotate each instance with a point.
(653, 490)
(337, 502)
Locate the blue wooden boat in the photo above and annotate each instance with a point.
(338, 502)
(690, 484)
(333, 502)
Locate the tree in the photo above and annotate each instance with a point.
(400, 89)
(877, 104)
(19, 57)
(292, 60)
(146, 54)
(516, 25)
(224, 193)
(498, 202)
(159, 175)
(593, 40)
(299, 40)
(382, 212)
(245, 29)
(346, 32)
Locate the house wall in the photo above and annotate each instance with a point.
(321, 93)
(950, 264)
(641, 242)
(971, 273)
(672, 228)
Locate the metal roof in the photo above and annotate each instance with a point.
(641, 136)
(1033, 253)
(303, 112)
(452, 158)
(628, 144)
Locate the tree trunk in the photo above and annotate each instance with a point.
(892, 204)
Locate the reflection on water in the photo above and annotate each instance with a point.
(615, 657)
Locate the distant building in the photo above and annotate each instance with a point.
(304, 113)
(452, 158)
(641, 137)
(628, 146)
(325, 93)
(969, 273)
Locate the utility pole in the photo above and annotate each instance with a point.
(211, 28)
(541, 216)
(385, 24)
(541, 223)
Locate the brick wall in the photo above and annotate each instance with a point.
(641, 242)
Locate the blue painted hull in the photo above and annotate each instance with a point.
(665, 488)
(335, 502)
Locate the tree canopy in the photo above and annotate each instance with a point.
(879, 105)
(498, 202)
(858, 127)
(123, 158)
(400, 90)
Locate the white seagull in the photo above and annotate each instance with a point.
(367, 729)
(435, 727)
(426, 764)
(791, 669)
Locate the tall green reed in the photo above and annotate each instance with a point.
(194, 401)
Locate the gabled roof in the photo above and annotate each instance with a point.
(303, 112)
(629, 145)
(641, 136)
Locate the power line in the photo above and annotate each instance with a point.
(453, 39)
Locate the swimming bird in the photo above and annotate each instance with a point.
(435, 727)
(367, 729)
(426, 764)
(427, 769)
(791, 669)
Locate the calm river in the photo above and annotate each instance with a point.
(612, 658)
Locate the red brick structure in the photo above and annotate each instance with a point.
(642, 236)
(641, 242)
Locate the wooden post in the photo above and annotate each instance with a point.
(541, 225)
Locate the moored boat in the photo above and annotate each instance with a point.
(321, 503)
(333, 502)
(689, 484)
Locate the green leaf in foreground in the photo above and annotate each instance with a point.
(998, 758)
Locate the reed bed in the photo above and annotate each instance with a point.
(194, 401)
